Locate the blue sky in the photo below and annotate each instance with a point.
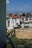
(18, 5)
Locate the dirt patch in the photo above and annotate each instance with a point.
(24, 33)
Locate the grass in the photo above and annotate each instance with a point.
(14, 39)
(26, 42)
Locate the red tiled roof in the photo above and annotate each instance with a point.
(13, 16)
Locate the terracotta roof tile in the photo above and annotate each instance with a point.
(13, 16)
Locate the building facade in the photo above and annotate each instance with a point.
(14, 21)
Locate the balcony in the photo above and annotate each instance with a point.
(30, 20)
(26, 21)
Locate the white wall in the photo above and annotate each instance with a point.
(9, 28)
(30, 24)
(22, 25)
(18, 21)
(10, 24)
(14, 23)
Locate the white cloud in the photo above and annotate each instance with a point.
(7, 1)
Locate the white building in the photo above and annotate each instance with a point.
(9, 24)
(14, 21)
(26, 21)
